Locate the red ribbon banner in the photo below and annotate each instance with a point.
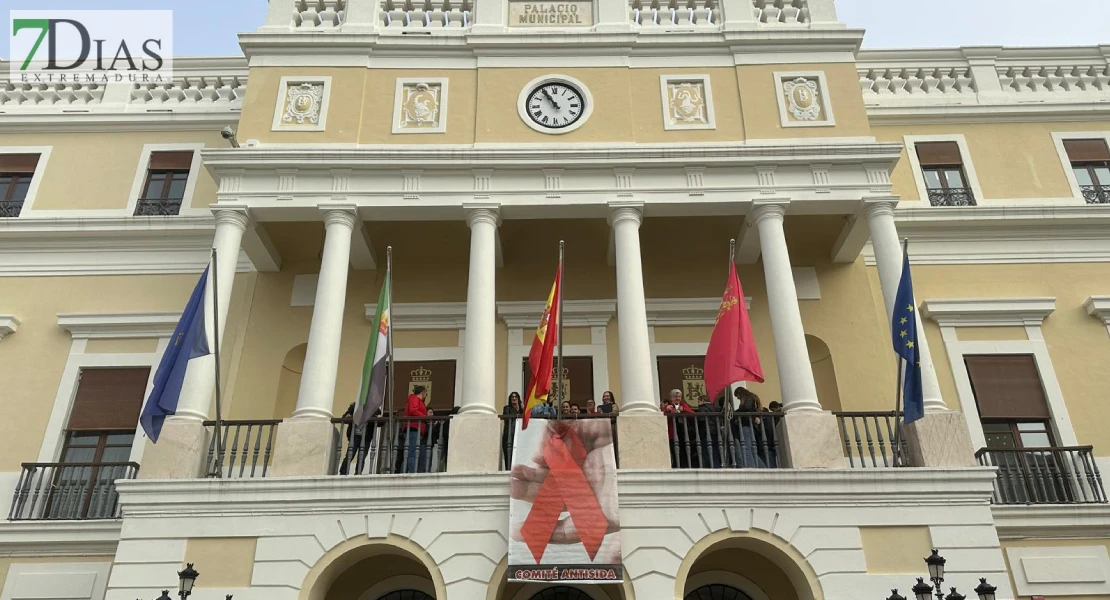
(565, 487)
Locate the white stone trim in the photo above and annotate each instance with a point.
(279, 105)
(70, 580)
(8, 325)
(119, 325)
(1060, 571)
(576, 313)
(522, 103)
(36, 177)
(989, 312)
(1052, 521)
(1097, 306)
(423, 315)
(825, 99)
(143, 168)
(399, 582)
(54, 438)
(1058, 138)
(728, 578)
(672, 349)
(56, 538)
(703, 79)
(919, 179)
(531, 589)
(1002, 312)
(398, 97)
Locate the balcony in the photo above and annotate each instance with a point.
(951, 197)
(1096, 194)
(69, 491)
(1064, 475)
(392, 446)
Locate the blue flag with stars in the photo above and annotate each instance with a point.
(903, 329)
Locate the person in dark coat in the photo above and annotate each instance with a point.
(512, 411)
(363, 437)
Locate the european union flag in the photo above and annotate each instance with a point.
(189, 341)
(903, 329)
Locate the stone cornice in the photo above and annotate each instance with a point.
(8, 325)
(1099, 306)
(987, 312)
(1086, 521)
(576, 313)
(59, 538)
(423, 315)
(119, 325)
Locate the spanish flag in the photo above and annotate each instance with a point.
(541, 356)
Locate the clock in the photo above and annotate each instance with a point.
(554, 104)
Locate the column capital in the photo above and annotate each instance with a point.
(489, 214)
(875, 208)
(768, 210)
(236, 216)
(339, 214)
(626, 211)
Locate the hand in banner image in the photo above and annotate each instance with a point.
(596, 440)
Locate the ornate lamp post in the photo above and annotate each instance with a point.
(188, 576)
(924, 591)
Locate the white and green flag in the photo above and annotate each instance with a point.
(375, 366)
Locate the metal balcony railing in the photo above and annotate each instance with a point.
(10, 208)
(158, 207)
(873, 439)
(246, 448)
(405, 445)
(508, 435)
(951, 197)
(714, 441)
(1065, 475)
(1096, 194)
(69, 491)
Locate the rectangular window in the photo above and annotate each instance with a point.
(943, 170)
(16, 171)
(164, 188)
(1090, 162)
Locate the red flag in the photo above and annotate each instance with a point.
(541, 355)
(732, 355)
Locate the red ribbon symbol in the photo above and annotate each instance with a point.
(565, 486)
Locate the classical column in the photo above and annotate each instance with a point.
(321, 362)
(799, 392)
(476, 431)
(888, 260)
(642, 428)
(479, 375)
(808, 432)
(183, 442)
(941, 438)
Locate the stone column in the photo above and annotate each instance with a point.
(475, 431)
(642, 428)
(810, 433)
(942, 437)
(306, 441)
(183, 442)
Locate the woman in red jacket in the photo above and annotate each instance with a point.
(677, 429)
(414, 431)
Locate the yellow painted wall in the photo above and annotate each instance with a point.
(1012, 160)
(344, 113)
(231, 560)
(895, 549)
(759, 102)
(122, 346)
(7, 562)
(990, 334)
(104, 183)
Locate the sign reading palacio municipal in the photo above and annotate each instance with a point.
(525, 13)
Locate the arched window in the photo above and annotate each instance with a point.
(561, 592)
(407, 595)
(717, 591)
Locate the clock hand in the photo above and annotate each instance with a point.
(550, 99)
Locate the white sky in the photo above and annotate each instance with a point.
(208, 27)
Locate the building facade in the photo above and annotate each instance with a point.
(466, 140)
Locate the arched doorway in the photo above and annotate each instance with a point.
(716, 591)
(561, 592)
(746, 566)
(824, 373)
(360, 569)
(406, 595)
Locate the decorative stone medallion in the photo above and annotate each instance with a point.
(687, 102)
(420, 105)
(803, 99)
(302, 104)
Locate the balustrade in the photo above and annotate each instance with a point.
(319, 14)
(192, 90)
(1064, 475)
(781, 12)
(873, 439)
(675, 13)
(69, 491)
(14, 93)
(900, 81)
(399, 445)
(243, 444)
(426, 14)
(1054, 78)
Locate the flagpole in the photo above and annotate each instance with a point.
(559, 368)
(216, 351)
(389, 351)
(897, 449)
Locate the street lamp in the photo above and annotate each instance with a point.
(188, 577)
(923, 591)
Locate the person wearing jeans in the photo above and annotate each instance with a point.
(414, 430)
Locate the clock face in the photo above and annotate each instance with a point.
(555, 105)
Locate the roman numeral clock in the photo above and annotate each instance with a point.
(554, 104)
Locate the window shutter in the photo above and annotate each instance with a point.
(171, 161)
(1087, 150)
(18, 163)
(934, 154)
(1007, 386)
(109, 399)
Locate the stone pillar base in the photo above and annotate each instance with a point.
(812, 440)
(180, 453)
(940, 439)
(475, 444)
(304, 446)
(642, 441)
